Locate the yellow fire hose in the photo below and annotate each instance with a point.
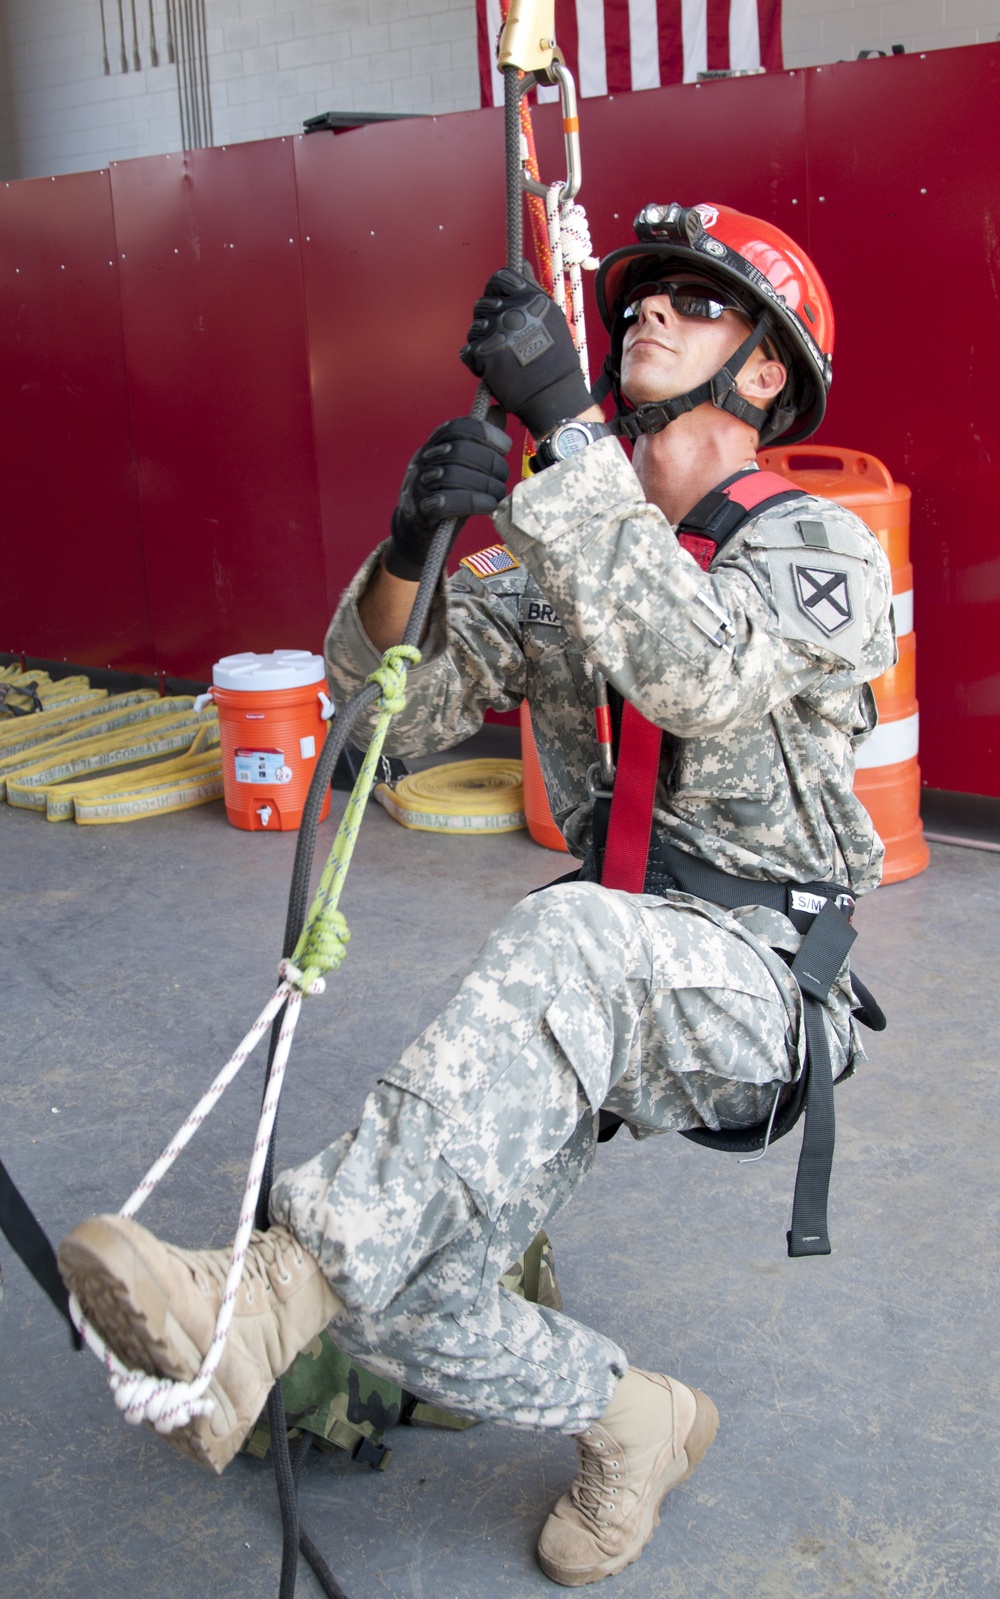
(110, 758)
(30, 787)
(463, 798)
(19, 744)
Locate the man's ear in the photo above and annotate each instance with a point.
(762, 380)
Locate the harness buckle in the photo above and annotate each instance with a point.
(597, 786)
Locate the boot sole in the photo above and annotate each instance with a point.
(678, 1470)
(107, 1273)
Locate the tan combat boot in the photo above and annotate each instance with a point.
(652, 1435)
(157, 1305)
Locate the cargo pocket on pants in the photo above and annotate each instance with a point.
(534, 1105)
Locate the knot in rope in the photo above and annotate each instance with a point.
(157, 1400)
(323, 948)
(390, 676)
(577, 248)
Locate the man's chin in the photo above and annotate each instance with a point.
(644, 394)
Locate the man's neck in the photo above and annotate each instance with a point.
(679, 466)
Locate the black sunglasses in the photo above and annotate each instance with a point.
(690, 299)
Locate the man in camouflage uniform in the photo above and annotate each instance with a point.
(662, 1008)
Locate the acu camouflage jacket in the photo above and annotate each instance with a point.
(759, 668)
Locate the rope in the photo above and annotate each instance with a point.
(570, 246)
(322, 944)
(165, 1403)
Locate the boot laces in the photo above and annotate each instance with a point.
(600, 1475)
(276, 1251)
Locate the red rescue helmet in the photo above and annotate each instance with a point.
(775, 285)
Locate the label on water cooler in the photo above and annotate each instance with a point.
(262, 766)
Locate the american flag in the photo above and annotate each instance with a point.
(612, 46)
(487, 563)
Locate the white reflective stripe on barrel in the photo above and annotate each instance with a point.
(902, 610)
(890, 742)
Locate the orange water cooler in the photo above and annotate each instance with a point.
(887, 779)
(273, 712)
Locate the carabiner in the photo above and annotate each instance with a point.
(570, 187)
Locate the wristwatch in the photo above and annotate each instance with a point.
(569, 438)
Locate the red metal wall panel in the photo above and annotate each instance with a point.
(401, 225)
(73, 581)
(903, 221)
(215, 345)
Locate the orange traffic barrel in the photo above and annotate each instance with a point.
(887, 776)
(273, 713)
(537, 811)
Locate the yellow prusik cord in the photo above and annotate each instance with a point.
(464, 798)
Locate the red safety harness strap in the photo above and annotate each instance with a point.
(630, 825)
(631, 822)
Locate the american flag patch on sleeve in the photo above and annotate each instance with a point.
(487, 563)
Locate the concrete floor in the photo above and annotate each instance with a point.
(858, 1449)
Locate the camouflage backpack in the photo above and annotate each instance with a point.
(344, 1406)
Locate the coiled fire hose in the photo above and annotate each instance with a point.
(463, 798)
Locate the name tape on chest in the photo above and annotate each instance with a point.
(489, 563)
(540, 612)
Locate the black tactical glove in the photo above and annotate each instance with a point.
(521, 346)
(460, 471)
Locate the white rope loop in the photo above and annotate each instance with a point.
(569, 241)
(163, 1402)
(291, 974)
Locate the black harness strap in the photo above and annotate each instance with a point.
(26, 1238)
(826, 943)
(821, 954)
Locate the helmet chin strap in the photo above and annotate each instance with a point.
(654, 415)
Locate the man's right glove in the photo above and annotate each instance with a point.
(521, 346)
(460, 471)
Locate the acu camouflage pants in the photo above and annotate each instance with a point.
(663, 1010)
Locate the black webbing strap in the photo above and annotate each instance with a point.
(676, 869)
(22, 1231)
(821, 955)
(28, 691)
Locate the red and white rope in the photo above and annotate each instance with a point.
(165, 1403)
(569, 241)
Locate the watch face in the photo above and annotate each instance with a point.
(570, 439)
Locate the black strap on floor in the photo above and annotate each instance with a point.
(25, 1236)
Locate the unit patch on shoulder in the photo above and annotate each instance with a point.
(487, 563)
(825, 597)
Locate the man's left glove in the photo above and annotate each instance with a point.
(521, 346)
(460, 471)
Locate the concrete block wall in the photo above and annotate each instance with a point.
(815, 31)
(273, 63)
